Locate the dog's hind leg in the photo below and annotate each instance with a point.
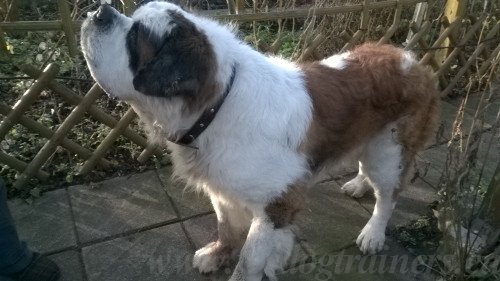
(358, 186)
(384, 167)
(232, 224)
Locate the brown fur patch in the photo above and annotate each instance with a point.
(282, 210)
(180, 63)
(352, 104)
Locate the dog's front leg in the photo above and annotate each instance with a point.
(266, 250)
(232, 225)
(270, 239)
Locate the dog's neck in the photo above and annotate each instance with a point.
(175, 119)
(206, 118)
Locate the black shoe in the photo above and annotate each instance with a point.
(41, 268)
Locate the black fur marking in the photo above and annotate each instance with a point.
(179, 63)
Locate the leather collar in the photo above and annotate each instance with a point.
(206, 118)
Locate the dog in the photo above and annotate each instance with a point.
(252, 130)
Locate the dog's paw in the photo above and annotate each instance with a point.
(355, 188)
(371, 239)
(211, 257)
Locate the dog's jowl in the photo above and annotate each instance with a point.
(251, 130)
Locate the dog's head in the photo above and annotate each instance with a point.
(158, 51)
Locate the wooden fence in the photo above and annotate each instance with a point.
(458, 36)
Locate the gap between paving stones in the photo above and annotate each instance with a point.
(79, 245)
(177, 213)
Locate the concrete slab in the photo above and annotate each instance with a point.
(159, 254)
(488, 154)
(435, 160)
(448, 115)
(350, 265)
(202, 230)
(46, 225)
(331, 219)
(490, 111)
(430, 174)
(187, 201)
(70, 265)
(119, 205)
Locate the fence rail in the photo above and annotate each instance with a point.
(458, 32)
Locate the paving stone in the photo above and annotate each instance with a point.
(46, 225)
(429, 173)
(118, 205)
(490, 112)
(202, 230)
(448, 115)
(488, 155)
(436, 157)
(350, 264)
(331, 219)
(189, 202)
(70, 265)
(159, 254)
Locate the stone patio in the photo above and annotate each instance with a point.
(145, 227)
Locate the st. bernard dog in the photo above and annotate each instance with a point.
(251, 130)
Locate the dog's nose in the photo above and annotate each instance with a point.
(104, 14)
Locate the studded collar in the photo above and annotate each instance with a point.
(206, 118)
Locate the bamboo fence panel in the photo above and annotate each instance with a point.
(101, 116)
(363, 27)
(27, 99)
(44, 79)
(417, 40)
(246, 16)
(116, 132)
(493, 33)
(47, 133)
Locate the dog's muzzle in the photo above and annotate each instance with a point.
(104, 15)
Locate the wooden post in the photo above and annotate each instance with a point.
(231, 7)
(67, 26)
(454, 11)
(418, 18)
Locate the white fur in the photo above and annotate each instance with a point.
(381, 168)
(336, 61)
(266, 250)
(110, 71)
(249, 154)
(407, 61)
(358, 185)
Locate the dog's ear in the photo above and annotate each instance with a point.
(177, 64)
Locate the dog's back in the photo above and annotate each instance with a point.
(356, 94)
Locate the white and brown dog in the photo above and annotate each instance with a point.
(250, 130)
